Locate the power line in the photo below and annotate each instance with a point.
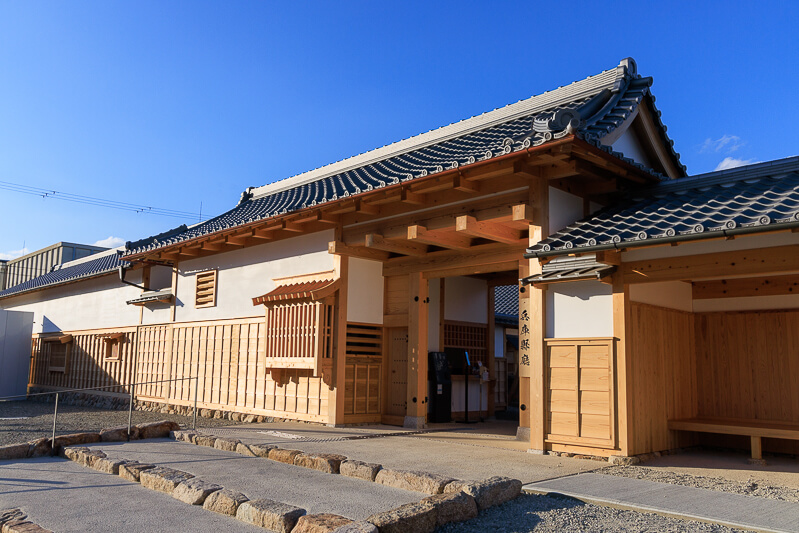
(100, 202)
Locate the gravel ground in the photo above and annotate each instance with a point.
(713, 483)
(549, 514)
(33, 420)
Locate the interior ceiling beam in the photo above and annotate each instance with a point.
(745, 287)
(403, 247)
(410, 197)
(442, 238)
(460, 183)
(468, 225)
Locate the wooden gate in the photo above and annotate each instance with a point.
(397, 389)
(580, 406)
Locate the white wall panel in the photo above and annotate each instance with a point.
(579, 309)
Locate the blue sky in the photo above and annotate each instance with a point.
(186, 103)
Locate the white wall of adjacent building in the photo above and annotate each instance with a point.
(579, 309)
(365, 291)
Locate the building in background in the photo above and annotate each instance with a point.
(42, 261)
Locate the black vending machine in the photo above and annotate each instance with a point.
(441, 382)
(459, 364)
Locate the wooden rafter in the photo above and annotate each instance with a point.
(404, 247)
(339, 248)
(468, 225)
(745, 287)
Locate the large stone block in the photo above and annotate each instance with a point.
(357, 527)
(320, 523)
(205, 440)
(452, 507)
(277, 516)
(23, 526)
(163, 479)
(39, 448)
(228, 445)
(15, 451)
(132, 470)
(243, 449)
(194, 491)
(109, 466)
(488, 492)
(325, 462)
(157, 430)
(185, 435)
(119, 434)
(261, 450)
(418, 517)
(74, 439)
(284, 456)
(360, 470)
(224, 502)
(416, 481)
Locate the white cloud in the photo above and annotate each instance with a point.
(731, 162)
(110, 242)
(726, 144)
(13, 254)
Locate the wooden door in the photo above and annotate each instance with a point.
(397, 389)
(580, 392)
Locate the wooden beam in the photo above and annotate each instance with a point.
(378, 242)
(192, 251)
(264, 233)
(317, 216)
(745, 287)
(214, 246)
(410, 197)
(521, 215)
(609, 257)
(524, 168)
(367, 209)
(444, 239)
(460, 183)
(239, 240)
(487, 254)
(292, 226)
(758, 261)
(468, 225)
(339, 248)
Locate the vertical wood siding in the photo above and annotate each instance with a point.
(362, 400)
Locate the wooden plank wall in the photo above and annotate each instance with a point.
(748, 365)
(86, 362)
(362, 401)
(664, 376)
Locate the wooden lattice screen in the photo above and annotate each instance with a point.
(298, 334)
(362, 371)
(469, 336)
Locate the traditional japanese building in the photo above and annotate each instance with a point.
(318, 297)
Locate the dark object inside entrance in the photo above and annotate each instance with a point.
(441, 383)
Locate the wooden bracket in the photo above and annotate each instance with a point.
(468, 225)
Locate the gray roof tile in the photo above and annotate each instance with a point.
(760, 197)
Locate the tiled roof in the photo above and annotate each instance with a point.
(591, 109)
(760, 197)
(293, 291)
(571, 269)
(506, 302)
(67, 273)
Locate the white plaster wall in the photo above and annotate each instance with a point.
(90, 304)
(630, 146)
(466, 299)
(433, 315)
(580, 309)
(365, 291)
(754, 303)
(670, 294)
(564, 209)
(160, 277)
(743, 242)
(246, 273)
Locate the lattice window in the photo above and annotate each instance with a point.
(363, 369)
(299, 334)
(112, 346)
(469, 336)
(205, 294)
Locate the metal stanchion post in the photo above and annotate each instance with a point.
(196, 386)
(55, 416)
(130, 410)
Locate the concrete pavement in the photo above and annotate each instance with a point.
(732, 510)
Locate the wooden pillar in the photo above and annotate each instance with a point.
(621, 325)
(532, 323)
(418, 294)
(335, 399)
(491, 341)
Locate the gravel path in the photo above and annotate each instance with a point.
(23, 421)
(548, 514)
(713, 483)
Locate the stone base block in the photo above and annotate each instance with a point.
(277, 516)
(325, 462)
(523, 434)
(320, 523)
(163, 479)
(489, 492)
(284, 456)
(261, 450)
(357, 469)
(227, 445)
(205, 440)
(415, 422)
(224, 502)
(357, 527)
(157, 430)
(623, 460)
(15, 451)
(454, 507)
(418, 517)
(194, 491)
(417, 481)
(132, 470)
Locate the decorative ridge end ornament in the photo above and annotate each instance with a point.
(560, 120)
(246, 195)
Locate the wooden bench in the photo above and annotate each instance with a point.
(755, 429)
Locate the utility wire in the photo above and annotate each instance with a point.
(90, 200)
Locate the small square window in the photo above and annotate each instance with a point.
(58, 349)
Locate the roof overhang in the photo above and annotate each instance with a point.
(571, 269)
(309, 290)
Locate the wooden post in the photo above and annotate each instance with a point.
(491, 341)
(336, 396)
(757, 448)
(621, 323)
(418, 293)
(532, 325)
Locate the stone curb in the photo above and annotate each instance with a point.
(272, 515)
(14, 521)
